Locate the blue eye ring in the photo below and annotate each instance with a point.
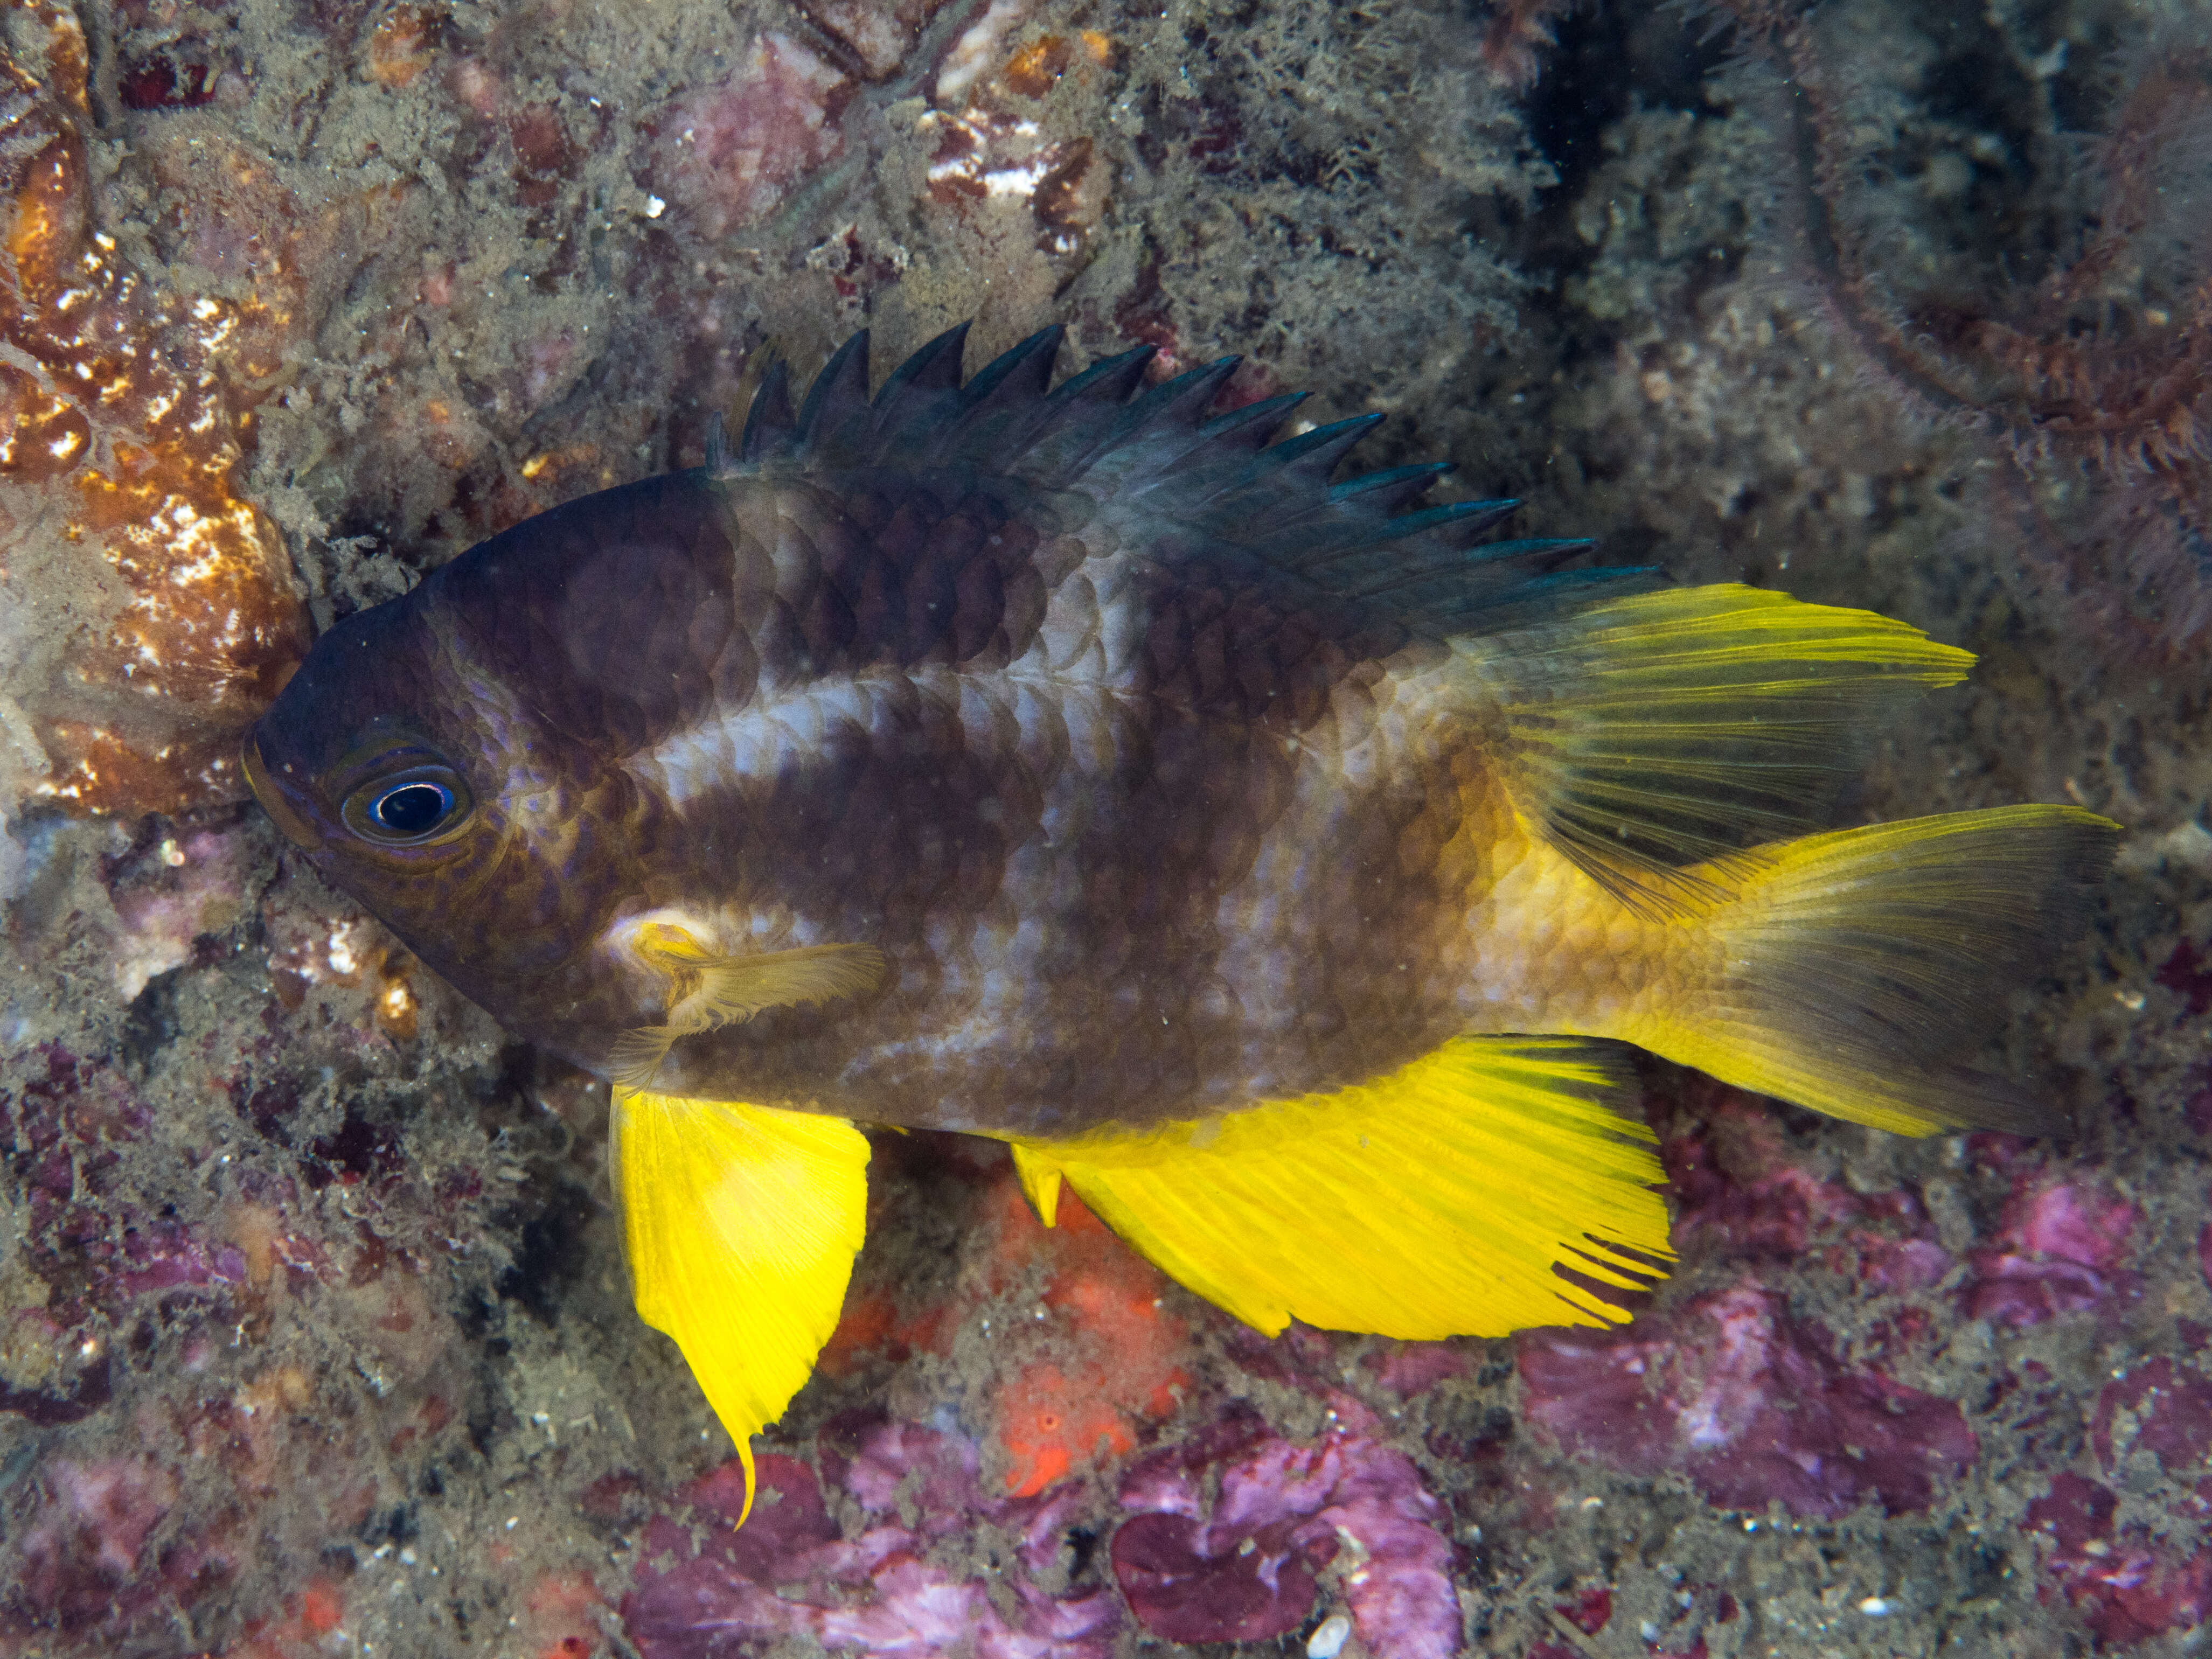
(418, 807)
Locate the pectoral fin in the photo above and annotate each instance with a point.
(1437, 1201)
(740, 1224)
(735, 989)
(707, 990)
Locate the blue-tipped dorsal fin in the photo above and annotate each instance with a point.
(1163, 457)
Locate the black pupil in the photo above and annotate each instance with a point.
(412, 809)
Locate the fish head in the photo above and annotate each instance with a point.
(372, 767)
(361, 764)
(409, 762)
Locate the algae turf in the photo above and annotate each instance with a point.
(316, 1332)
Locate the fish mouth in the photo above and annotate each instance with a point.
(297, 829)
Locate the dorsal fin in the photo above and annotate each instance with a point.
(834, 423)
(1649, 733)
(770, 427)
(922, 397)
(1163, 458)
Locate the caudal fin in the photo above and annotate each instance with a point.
(1855, 972)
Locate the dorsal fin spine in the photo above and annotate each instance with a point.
(839, 394)
(1412, 481)
(1158, 458)
(770, 424)
(1254, 423)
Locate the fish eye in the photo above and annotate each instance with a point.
(413, 809)
(422, 803)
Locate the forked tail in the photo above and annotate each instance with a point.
(1652, 736)
(1855, 972)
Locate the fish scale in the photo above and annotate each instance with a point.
(1274, 862)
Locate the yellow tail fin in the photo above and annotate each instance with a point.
(1849, 972)
(1437, 1201)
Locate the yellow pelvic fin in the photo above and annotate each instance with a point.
(1849, 972)
(1039, 1179)
(1432, 1202)
(740, 1224)
(1653, 731)
(706, 990)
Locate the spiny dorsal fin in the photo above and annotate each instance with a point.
(1161, 457)
(835, 413)
(770, 426)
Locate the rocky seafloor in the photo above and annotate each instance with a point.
(313, 1334)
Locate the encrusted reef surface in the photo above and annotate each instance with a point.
(313, 1332)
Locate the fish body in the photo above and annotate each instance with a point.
(1080, 768)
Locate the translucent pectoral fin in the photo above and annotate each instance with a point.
(636, 1057)
(740, 1224)
(714, 988)
(734, 988)
(1437, 1201)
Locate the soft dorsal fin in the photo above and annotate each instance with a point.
(1654, 731)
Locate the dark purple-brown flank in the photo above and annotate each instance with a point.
(1076, 930)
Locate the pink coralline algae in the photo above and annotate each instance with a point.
(1751, 1404)
(1284, 1512)
(82, 1560)
(189, 887)
(740, 145)
(2058, 1249)
(2129, 1583)
(1739, 1191)
(2126, 1588)
(1407, 1368)
(2160, 1407)
(792, 1571)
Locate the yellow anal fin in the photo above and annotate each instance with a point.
(1653, 731)
(1432, 1202)
(740, 1224)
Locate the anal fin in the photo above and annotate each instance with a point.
(1436, 1201)
(740, 1224)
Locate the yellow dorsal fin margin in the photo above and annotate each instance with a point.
(740, 1224)
(1432, 1202)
